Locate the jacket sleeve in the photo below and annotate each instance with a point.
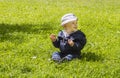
(57, 43)
(80, 43)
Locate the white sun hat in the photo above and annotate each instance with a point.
(68, 18)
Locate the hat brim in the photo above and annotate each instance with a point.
(67, 21)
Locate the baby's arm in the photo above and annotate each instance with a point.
(79, 44)
(53, 37)
(70, 42)
(54, 40)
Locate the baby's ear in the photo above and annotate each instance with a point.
(64, 26)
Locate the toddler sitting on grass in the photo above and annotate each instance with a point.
(70, 40)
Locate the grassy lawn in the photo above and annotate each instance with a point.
(25, 47)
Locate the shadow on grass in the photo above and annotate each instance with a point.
(29, 28)
(90, 56)
(7, 30)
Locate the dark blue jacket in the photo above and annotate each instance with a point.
(78, 38)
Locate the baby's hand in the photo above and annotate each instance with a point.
(53, 37)
(70, 42)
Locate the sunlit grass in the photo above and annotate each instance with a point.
(25, 47)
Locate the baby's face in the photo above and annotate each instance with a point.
(71, 26)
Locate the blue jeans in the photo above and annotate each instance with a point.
(57, 56)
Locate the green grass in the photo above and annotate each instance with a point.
(25, 47)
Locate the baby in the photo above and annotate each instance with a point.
(70, 41)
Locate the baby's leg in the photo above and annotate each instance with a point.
(69, 57)
(56, 56)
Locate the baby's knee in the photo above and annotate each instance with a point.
(56, 56)
(69, 57)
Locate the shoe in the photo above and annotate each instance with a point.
(64, 59)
